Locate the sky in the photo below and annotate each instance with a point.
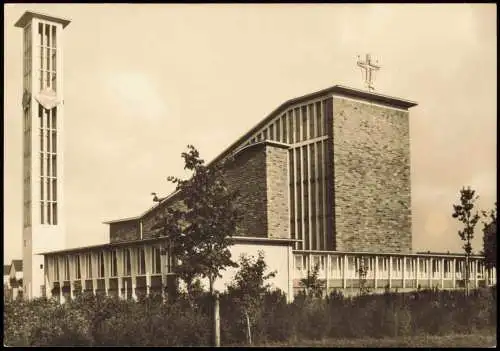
(143, 81)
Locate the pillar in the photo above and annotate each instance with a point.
(93, 257)
(454, 275)
(403, 272)
(291, 273)
(148, 257)
(417, 271)
(475, 265)
(48, 280)
(82, 271)
(72, 275)
(344, 272)
(163, 255)
(119, 270)
(327, 272)
(133, 264)
(429, 271)
(107, 271)
(375, 273)
(442, 273)
(390, 272)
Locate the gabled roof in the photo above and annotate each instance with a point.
(336, 90)
(18, 265)
(6, 269)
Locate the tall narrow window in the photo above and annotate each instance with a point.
(101, 265)
(141, 261)
(77, 267)
(88, 264)
(126, 262)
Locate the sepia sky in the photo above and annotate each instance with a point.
(143, 81)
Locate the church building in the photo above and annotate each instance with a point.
(324, 179)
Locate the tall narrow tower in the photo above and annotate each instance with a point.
(43, 117)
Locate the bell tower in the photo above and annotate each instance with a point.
(43, 118)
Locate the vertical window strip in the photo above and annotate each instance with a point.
(291, 169)
(298, 197)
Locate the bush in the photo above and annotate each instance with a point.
(105, 321)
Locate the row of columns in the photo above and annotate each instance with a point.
(414, 274)
(74, 265)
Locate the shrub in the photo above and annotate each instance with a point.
(105, 321)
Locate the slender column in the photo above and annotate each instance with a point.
(475, 265)
(133, 264)
(454, 271)
(95, 267)
(375, 273)
(72, 275)
(417, 271)
(107, 272)
(291, 273)
(148, 252)
(327, 273)
(390, 272)
(119, 271)
(344, 272)
(403, 271)
(82, 271)
(429, 271)
(163, 269)
(60, 264)
(442, 273)
(48, 281)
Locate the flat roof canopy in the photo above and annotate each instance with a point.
(28, 15)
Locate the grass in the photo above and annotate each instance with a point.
(480, 339)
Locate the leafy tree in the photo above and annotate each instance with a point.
(201, 227)
(490, 237)
(312, 284)
(469, 219)
(248, 286)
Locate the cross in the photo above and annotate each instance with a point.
(368, 67)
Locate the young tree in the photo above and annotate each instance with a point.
(490, 237)
(464, 213)
(201, 227)
(312, 284)
(248, 286)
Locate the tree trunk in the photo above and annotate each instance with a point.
(467, 275)
(249, 331)
(216, 320)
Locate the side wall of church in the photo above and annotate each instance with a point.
(124, 231)
(248, 175)
(372, 202)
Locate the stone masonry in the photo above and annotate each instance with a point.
(371, 171)
(278, 222)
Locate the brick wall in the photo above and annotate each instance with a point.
(247, 174)
(371, 171)
(150, 219)
(278, 221)
(124, 231)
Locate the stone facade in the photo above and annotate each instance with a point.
(371, 171)
(278, 207)
(247, 175)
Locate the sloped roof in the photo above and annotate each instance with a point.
(6, 269)
(18, 265)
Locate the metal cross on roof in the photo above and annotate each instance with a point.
(368, 68)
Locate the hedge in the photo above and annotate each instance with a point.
(106, 321)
